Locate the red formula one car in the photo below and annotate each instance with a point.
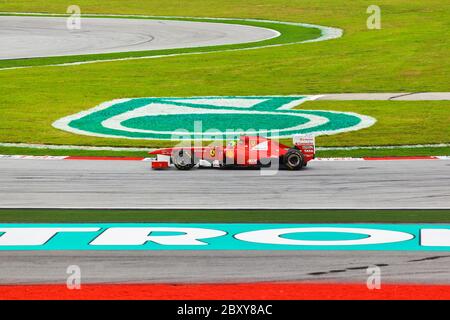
(247, 152)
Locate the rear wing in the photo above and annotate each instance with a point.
(305, 143)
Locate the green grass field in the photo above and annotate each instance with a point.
(409, 54)
(224, 216)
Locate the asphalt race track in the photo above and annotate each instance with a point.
(30, 37)
(132, 184)
(224, 266)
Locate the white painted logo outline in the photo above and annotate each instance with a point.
(115, 122)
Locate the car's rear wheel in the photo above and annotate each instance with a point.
(183, 160)
(293, 159)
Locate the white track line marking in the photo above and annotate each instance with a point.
(72, 147)
(24, 157)
(109, 158)
(410, 146)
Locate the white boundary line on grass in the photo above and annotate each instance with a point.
(327, 33)
(226, 208)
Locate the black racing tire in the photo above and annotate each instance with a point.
(182, 160)
(293, 160)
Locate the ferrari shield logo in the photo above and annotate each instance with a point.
(161, 118)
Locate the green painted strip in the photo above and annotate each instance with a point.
(223, 216)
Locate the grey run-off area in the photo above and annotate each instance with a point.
(133, 184)
(31, 37)
(224, 266)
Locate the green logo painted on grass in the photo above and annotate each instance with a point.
(203, 117)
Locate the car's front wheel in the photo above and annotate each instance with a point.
(183, 160)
